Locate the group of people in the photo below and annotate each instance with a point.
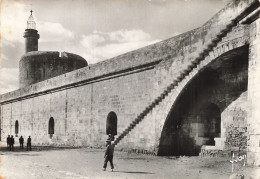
(10, 143)
(109, 153)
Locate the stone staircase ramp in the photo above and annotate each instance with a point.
(205, 52)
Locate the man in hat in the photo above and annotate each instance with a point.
(8, 142)
(109, 155)
(21, 141)
(111, 137)
(29, 145)
(12, 143)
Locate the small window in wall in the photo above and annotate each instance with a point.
(111, 125)
(16, 128)
(51, 127)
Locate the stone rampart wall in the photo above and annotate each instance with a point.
(79, 101)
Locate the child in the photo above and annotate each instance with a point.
(109, 155)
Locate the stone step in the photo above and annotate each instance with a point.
(193, 64)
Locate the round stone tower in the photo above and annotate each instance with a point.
(36, 66)
(31, 35)
(42, 65)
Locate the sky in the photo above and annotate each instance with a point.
(94, 29)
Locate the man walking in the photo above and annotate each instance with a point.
(21, 141)
(29, 140)
(8, 142)
(109, 155)
(12, 143)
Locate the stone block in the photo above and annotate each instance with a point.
(209, 147)
(220, 142)
(235, 149)
(236, 176)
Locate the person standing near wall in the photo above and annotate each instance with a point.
(21, 141)
(12, 143)
(8, 142)
(29, 140)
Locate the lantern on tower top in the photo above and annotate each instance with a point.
(31, 35)
(31, 23)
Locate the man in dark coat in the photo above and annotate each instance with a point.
(12, 143)
(29, 140)
(109, 155)
(8, 142)
(21, 141)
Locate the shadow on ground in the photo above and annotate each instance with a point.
(134, 172)
(35, 148)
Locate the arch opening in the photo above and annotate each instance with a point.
(195, 117)
(16, 128)
(111, 124)
(51, 127)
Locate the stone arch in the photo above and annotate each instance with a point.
(194, 120)
(51, 126)
(210, 77)
(16, 131)
(111, 123)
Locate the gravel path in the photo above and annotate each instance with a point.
(87, 163)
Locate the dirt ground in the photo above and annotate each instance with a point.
(86, 163)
